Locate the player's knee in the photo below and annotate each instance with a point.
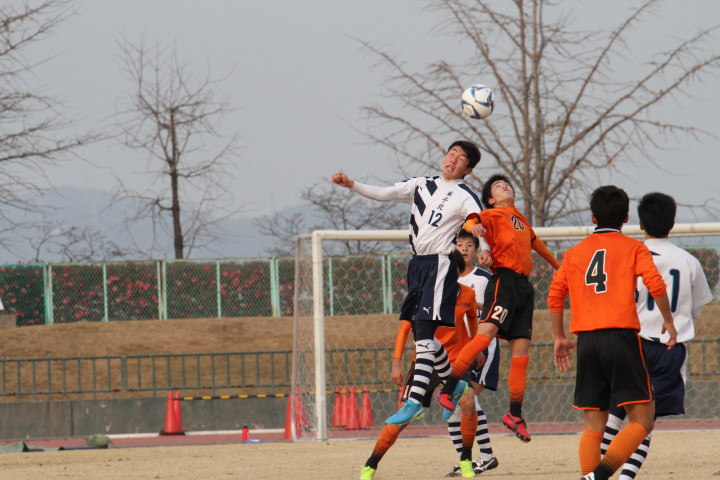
(467, 403)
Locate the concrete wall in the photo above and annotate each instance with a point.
(79, 418)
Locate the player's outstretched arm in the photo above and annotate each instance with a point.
(542, 250)
(396, 374)
(342, 179)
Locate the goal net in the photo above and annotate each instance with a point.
(346, 316)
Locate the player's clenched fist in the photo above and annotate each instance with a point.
(342, 179)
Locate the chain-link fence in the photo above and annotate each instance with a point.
(245, 287)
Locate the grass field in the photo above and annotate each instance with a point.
(674, 455)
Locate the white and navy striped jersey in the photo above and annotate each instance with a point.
(687, 290)
(439, 209)
(477, 280)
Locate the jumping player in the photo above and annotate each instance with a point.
(509, 298)
(688, 291)
(452, 340)
(440, 206)
(485, 373)
(600, 275)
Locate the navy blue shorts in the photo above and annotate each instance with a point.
(489, 374)
(667, 375)
(667, 368)
(432, 289)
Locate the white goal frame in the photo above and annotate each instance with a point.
(320, 236)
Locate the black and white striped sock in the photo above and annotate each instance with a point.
(442, 362)
(631, 467)
(482, 434)
(611, 429)
(424, 361)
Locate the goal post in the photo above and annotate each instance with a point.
(309, 254)
(311, 294)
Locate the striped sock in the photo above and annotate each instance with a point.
(455, 436)
(442, 362)
(424, 361)
(612, 428)
(622, 447)
(482, 434)
(632, 466)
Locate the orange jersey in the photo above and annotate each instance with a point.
(600, 275)
(453, 339)
(510, 237)
(466, 324)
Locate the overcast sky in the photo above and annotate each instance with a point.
(298, 80)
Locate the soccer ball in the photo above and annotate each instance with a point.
(477, 101)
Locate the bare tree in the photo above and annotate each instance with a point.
(75, 244)
(570, 110)
(329, 209)
(32, 136)
(170, 116)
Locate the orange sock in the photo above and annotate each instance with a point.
(468, 353)
(516, 383)
(468, 429)
(623, 445)
(589, 450)
(387, 438)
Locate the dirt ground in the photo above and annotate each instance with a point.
(674, 455)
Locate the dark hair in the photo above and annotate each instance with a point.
(487, 188)
(457, 257)
(465, 234)
(610, 205)
(471, 150)
(657, 214)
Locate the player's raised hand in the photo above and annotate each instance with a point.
(478, 230)
(561, 354)
(485, 258)
(342, 179)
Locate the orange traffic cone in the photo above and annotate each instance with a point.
(173, 416)
(343, 407)
(300, 418)
(353, 418)
(289, 429)
(337, 409)
(293, 428)
(366, 415)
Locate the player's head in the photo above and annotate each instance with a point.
(467, 244)
(472, 152)
(609, 206)
(495, 190)
(458, 259)
(657, 214)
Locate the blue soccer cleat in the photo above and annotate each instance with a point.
(448, 413)
(410, 410)
(449, 402)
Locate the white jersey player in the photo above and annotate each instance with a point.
(439, 207)
(688, 291)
